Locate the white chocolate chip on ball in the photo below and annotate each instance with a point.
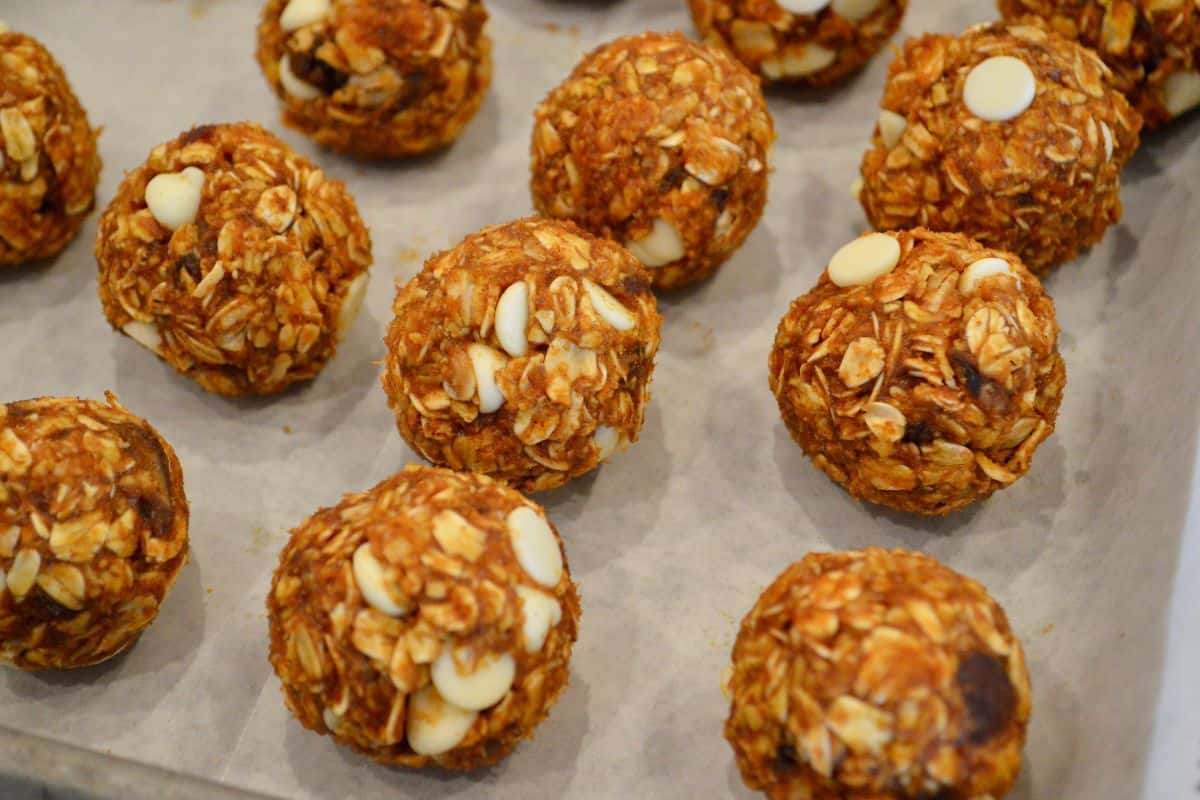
(512, 315)
(434, 726)
(542, 612)
(174, 197)
(607, 440)
(891, 127)
(485, 686)
(535, 545)
(1181, 92)
(812, 58)
(973, 275)
(885, 421)
(299, 13)
(803, 6)
(484, 363)
(368, 574)
(293, 85)
(144, 334)
(855, 10)
(661, 246)
(356, 292)
(999, 88)
(864, 259)
(608, 307)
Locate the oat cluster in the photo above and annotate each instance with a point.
(659, 143)
(799, 41)
(93, 530)
(427, 621)
(877, 675)
(49, 164)
(1044, 184)
(253, 269)
(377, 78)
(525, 352)
(922, 390)
(1152, 46)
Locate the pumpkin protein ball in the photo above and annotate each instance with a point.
(877, 675)
(1152, 46)
(921, 372)
(426, 621)
(1010, 134)
(807, 42)
(377, 78)
(234, 259)
(659, 143)
(93, 530)
(49, 164)
(525, 352)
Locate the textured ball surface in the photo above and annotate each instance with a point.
(525, 352)
(93, 530)
(234, 259)
(807, 42)
(426, 621)
(877, 675)
(377, 78)
(659, 143)
(921, 375)
(49, 164)
(1010, 134)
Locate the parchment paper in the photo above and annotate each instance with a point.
(671, 542)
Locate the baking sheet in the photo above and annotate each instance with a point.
(671, 542)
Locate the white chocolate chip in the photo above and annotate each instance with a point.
(661, 246)
(174, 197)
(608, 307)
(332, 720)
(356, 292)
(477, 690)
(971, 277)
(864, 259)
(607, 440)
(999, 88)
(144, 334)
(541, 612)
(535, 545)
(293, 85)
(885, 421)
(856, 187)
(802, 6)
(1181, 92)
(812, 58)
(299, 13)
(855, 10)
(891, 127)
(1106, 134)
(368, 574)
(434, 726)
(485, 362)
(512, 315)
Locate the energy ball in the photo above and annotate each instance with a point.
(807, 42)
(427, 621)
(525, 352)
(1152, 46)
(49, 164)
(877, 675)
(921, 372)
(1010, 134)
(660, 143)
(233, 259)
(93, 530)
(377, 78)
